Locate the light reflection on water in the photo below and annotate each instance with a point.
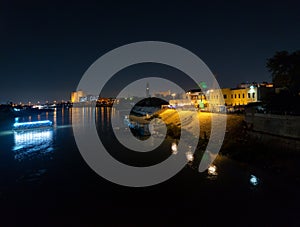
(212, 172)
(37, 144)
(33, 143)
(254, 181)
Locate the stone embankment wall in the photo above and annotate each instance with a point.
(277, 125)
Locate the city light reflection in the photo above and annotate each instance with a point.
(33, 143)
(174, 148)
(254, 180)
(189, 156)
(212, 170)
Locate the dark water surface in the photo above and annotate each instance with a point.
(45, 181)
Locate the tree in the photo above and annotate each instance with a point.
(285, 69)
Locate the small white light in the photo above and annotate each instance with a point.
(212, 170)
(189, 156)
(254, 180)
(174, 148)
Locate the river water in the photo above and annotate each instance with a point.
(45, 181)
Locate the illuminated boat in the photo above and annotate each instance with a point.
(32, 125)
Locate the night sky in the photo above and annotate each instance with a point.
(47, 47)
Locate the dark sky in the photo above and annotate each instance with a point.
(47, 46)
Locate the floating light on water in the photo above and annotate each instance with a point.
(254, 180)
(32, 125)
(189, 156)
(212, 170)
(174, 148)
(32, 143)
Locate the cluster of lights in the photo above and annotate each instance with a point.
(189, 155)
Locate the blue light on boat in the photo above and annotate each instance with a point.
(32, 125)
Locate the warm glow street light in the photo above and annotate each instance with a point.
(173, 95)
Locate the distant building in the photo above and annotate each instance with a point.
(76, 96)
(83, 99)
(244, 94)
(255, 84)
(197, 98)
(233, 96)
(162, 94)
(92, 98)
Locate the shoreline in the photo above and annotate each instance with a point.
(276, 155)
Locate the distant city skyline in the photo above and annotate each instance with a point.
(47, 46)
(157, 85)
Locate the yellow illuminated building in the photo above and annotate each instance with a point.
(76, 95)
(233, 97)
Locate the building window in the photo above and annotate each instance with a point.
(232, 96)
(225, 96)
(248, 95)
(253, 95)
(239, 96)
(243, 96)
(235, 96)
